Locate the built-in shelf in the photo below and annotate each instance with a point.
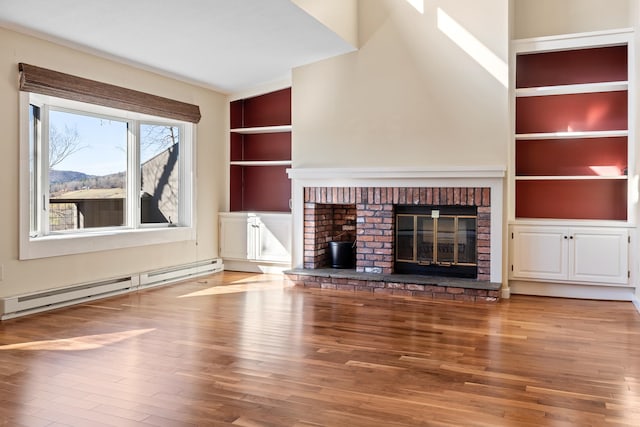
(571, 163)
(572, 178)
(572, 89)
(261, 163)
(263, 129)
(260, 152)
(572, 135)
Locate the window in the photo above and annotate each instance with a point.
(83, 178)
(159, 170)
(102, 178)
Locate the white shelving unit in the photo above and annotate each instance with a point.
(260, 152)
(255, 235)
(569, 68)
(590, 256)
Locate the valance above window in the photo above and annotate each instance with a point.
(53, 83)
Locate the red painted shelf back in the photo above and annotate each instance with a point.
(266, 188)
(585, 156)
(572, 199)
(261, 146)
(270, 109)
(235, 188)
(235, 114)
(594, 65)
(236, 146)
(571, 113)
(260, 188)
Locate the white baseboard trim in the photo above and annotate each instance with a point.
(563, 290)
(506, 293)
(636, 302)
(50, 299)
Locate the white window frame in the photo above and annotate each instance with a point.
(102, 239)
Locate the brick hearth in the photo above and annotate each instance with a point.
(440, 288)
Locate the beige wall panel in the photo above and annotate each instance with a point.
(411, 96)
(35, 275)
(536, 18)
(341, 16)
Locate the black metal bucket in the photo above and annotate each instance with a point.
(341, 254)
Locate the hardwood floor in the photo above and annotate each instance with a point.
(248, 350)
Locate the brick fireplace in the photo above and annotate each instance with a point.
(359, 204)
(366, 214)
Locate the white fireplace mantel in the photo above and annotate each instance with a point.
(451, 176)
(380, 173)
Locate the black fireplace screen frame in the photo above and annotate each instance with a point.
(427, 262)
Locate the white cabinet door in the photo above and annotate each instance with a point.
(570, 254)
(234, 237)
(539, 253)
(599, 255)
(273, 241)
(252, 236)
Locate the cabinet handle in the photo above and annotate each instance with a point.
(565, 237)
(571, 237)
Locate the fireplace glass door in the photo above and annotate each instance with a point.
(436, 243)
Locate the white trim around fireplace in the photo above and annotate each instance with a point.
(455, 176)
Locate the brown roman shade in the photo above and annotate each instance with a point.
(48, 82)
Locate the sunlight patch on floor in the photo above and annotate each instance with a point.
(87, 342)
(273, 278)
(244, 285)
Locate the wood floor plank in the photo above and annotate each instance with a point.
(239, 349)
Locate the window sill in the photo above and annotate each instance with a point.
(70, 244)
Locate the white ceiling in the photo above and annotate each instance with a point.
(227, 45)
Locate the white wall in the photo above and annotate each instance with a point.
(35, 275)
(535, 18)
(338, 15)
(410, 95)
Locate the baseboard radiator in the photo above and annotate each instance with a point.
(182, 272)
(21, 305)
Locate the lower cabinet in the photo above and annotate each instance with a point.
(255, 237)
(570, 254)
